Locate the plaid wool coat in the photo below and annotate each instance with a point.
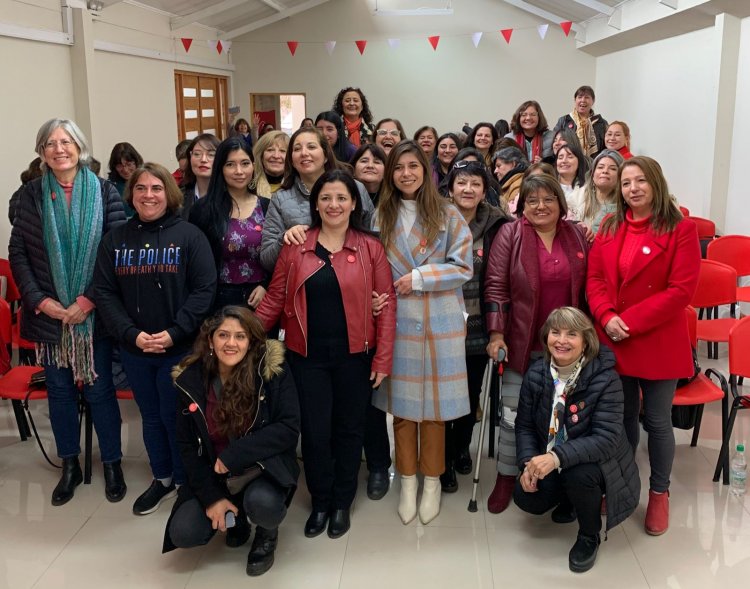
(428, 380)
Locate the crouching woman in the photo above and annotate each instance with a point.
(237, 417)
(570, 438)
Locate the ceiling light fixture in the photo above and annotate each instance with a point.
(422, 11)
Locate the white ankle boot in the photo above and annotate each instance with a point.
(407, 504)
(429, 507)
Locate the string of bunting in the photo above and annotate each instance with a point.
(223, 45)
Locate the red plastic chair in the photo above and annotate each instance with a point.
(733, 250)
(739, 366)
(12, 294)
(717, 285)
(702, 390)
(706, 227)
(15, 384)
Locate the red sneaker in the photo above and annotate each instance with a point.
(501, 495)
(657, 513)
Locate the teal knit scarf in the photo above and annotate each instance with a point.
(71, 238)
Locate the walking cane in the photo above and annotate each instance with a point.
(486, 385)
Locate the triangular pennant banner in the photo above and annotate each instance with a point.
(292, 47)
(186, 43)
(361, 46)
(219, 47)
(434, 40)
(330, 45)
(227, 45)
(542, 30)
(565, 26)
(211, 44)
(393, 43)
(506, 35)
(476, 38)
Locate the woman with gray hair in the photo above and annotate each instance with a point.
(570, 436)
(59, 223)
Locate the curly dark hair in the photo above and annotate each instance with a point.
(338, 103)
(239, 397)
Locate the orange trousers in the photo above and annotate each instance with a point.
(419, 446)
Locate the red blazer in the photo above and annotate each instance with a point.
(651, 300)
(361, 267)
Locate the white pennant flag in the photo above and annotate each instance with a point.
(542, 30)
(227, 45)
(393, 43)
(330, 45)
(212, 44)
(475, 38)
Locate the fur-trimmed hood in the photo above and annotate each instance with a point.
(271, 363)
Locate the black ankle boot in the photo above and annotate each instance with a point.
(583, 554)
(260, 557)
(464, 464)
(114, 482)
(71, 478)
(448, 480)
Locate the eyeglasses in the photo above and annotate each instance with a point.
(64, 143)
(548, 201)
(199, 154)
(394, 132)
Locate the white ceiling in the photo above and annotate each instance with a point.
(233, 17)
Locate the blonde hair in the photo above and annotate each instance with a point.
(260, 182)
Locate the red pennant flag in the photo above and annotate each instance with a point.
(565, 26)
(506, 35)
(361, 46)
(219, 47)
(292, 46)
(434, 40)
(186, 43)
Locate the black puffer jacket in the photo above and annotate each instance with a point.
(598, 434)
(30, 263)
(271, 441)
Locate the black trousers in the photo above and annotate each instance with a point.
(377, 446)
(263, 501)
(582, 485)
(458, 432)
(233, 294)
(334, 392)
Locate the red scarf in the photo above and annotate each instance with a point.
(352, 131)
(536, 145)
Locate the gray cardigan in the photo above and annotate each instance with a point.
(291, 207)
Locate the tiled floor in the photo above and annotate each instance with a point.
(90, 543)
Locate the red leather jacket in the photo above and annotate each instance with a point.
(361, 267)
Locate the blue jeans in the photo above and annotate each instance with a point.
(151, 381)
(62, 394)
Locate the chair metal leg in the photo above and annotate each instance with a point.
(723, 461)
(23, 425)
(697, 427)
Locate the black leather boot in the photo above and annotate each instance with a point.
(71, 478)
(260, 557)
(464, 463)
(583, 554)
(114, 482)
(448, 480)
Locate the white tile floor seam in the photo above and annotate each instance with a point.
(92, 543)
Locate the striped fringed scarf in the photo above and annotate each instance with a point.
(71, 238)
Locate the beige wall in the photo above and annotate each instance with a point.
(456, 83)
(134, 97)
